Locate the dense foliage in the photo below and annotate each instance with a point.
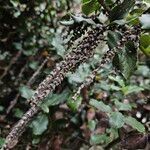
(101, 51)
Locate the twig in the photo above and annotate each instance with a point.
(32, 79)
(29, 83)
(12, 104)
(20, 74)
(13, 61)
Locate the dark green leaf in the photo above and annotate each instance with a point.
(90, 6)
(18, 113)
(120, 11)
(131, 88)
(126, 60)
(113, 38)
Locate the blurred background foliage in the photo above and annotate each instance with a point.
(30, 33)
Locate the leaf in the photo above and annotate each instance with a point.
(40, 124)
(131, 88)
(98, 139)
(90, 6)
(33, 65)
(116, 119)
(67, 23)
(18, 46)
(15, 3)
(26, 92)
(135, 124)
(74, 104)
(1, 108)
(120, 11)
(122, 106)
(126, 60)
(58, 44)
(113, 38)
(100, 106)
(54, 99)
(145, 21)
(2, 141)
(18, 113)
(145, 44)
(92, 125)
(80, 74)
(118, 80)
(79, 19)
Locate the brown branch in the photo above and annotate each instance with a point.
(72, 60)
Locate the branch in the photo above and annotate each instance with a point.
(72, 60)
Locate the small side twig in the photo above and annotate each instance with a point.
(32, 79)
(13, 61)
(29, 83)
(102, 3)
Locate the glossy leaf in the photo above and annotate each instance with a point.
(135, 124)
(26, 92)
(131, 89)
(90, 6)
(120, 11)
(116, 119)
(54, 99)
(145, 44)
(122, 106)
(113, 38)
(40, 124)
(74, 104)
(99, 139)
(126, 60)
(100, 105)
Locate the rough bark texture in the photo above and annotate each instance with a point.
(82, 53)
